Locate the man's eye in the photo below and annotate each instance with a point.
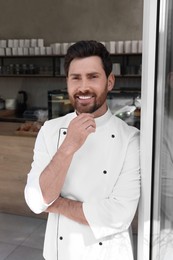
(75, 78)
(93, 76)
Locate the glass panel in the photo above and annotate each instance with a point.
(162, 243)
(166, 213)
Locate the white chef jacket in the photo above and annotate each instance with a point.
(104, 175)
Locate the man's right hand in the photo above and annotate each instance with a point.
(79, 129)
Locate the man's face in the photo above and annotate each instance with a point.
(88, 85)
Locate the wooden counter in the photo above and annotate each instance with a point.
(16, 153)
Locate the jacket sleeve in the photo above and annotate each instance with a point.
(115, 213)
(32, 191)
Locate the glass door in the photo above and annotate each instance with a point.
(155, 225)
(147, 127)
(162, 182)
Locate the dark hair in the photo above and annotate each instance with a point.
(83, 49)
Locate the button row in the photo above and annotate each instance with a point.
(100, 243)
(65, 132)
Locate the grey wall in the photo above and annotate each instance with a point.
(71, 20)
(65, 21)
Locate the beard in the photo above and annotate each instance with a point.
(88, 107)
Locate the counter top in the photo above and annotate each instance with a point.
(29, 129)
(16, 155)
(8, 128)
(12, 119)
(10, 116)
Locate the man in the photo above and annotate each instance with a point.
(85, 171)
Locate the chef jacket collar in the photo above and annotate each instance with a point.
(104, 118)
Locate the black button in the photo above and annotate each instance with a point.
(61, 238)
(100, 243)
(64, 133)
(113, 136)
(104, 171)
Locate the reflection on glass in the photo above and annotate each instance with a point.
(167, 176)
(166, 216)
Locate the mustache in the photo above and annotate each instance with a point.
(84, 93)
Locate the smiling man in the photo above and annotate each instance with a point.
(86, 171)
(88, 85)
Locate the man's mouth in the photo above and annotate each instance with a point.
(84, 97)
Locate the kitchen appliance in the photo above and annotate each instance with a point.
(125, 106)
(58, 103)
(10, 103)
(21, 104)
(2, 103)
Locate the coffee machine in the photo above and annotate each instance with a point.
(21, 104)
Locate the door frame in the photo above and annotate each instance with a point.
(147, 127)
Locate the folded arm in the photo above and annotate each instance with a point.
(47, 177)
(115, 213)
(69, 208)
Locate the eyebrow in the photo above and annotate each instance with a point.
(88, 74)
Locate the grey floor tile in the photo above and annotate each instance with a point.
(25, 253)
(11, 237)
(36, 239)
(6, 250)
(17, 223)
(21, 237)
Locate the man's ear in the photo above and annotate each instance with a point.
(111, 81)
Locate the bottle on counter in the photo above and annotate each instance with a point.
(2, 103)
(21, 104)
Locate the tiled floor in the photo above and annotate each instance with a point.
(21, 238)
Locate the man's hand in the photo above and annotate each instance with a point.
(70, 208)
(79, 129)
(53, 176)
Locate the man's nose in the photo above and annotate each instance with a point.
(84, 84)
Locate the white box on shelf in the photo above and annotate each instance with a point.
(14, 51)
(42, 50)
(21, 43)
(10, 43)
(8, 51)
(134, 46)
(25, 51)
(48, 50)
(31, 51)
(34, 43)
(40, 43)
(2, 51)
(15, 43)
(64, 47)
(3, 43)
(120, 47)
(37, 51)
(27, 43)
(56, 48)
(20, 51)
(127, 46)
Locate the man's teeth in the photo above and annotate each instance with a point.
(84, 97)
